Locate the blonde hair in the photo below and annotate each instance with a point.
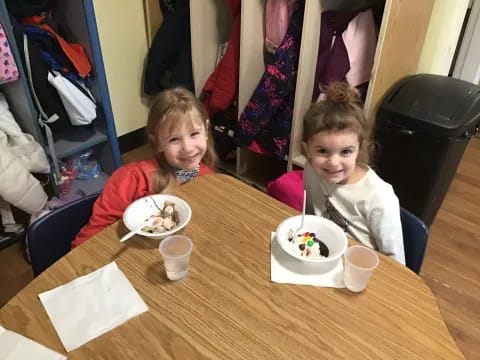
(170, 107)
(340, 111)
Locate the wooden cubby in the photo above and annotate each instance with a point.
(399, 46)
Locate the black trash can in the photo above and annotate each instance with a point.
(422, 128)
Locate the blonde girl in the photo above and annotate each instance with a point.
(177, 130)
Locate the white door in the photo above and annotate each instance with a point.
(467, 66)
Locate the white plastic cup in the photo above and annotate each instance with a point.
(176, 250)
(360, 263)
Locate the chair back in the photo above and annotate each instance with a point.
(415, 237)
(288, 189)
(50, 237)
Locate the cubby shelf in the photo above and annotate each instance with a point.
(77, 20)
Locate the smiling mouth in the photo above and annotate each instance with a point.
(189, 159)
(330, 172)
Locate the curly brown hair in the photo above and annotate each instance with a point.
(340, 111)
(168, 108)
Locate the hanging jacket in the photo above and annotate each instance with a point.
(17, 186)
(332, 59)
(75, 52)
(277, 17)
(267, 118)
(169, 61)
(20, 155)
(360, 39)
(22, 146)
(8, 66)
(51, 52)
(351, 57)
(221, 87)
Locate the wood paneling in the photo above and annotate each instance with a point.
(307, 64)
(210, 26)
(399, 47)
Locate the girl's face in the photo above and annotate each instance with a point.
(183, 144)
(333, 154)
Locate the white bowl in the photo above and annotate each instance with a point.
(140, 210)
(327, 231)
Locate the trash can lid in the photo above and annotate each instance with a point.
(435, 103)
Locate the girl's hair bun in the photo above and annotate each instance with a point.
(341, 92)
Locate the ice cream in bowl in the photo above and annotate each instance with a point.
(319, 241)
(157, 216)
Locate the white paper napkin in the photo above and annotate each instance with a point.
(92, 305)
(284, 268)
(14, 346)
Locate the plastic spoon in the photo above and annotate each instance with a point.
(303, 208)
(136, 230)
(292, 236)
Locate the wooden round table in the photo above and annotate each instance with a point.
(227, 307)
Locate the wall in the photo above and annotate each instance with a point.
(442, 36)
(124, 48)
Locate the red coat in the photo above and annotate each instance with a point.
(127, 184)
(221, 87)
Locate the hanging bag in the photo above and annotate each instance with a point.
(8, 67)
(80, 105)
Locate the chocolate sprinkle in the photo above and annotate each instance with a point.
(323, 248)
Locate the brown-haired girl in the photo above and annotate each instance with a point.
(340, 185)
(177, 130)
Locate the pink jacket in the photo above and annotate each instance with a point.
(277, 16)
(361, 41)
(8, 67)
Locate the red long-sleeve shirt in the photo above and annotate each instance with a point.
(127, 184)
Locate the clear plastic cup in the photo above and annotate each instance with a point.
(360, 263)
(175, 250)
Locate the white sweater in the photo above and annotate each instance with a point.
(370, 207)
